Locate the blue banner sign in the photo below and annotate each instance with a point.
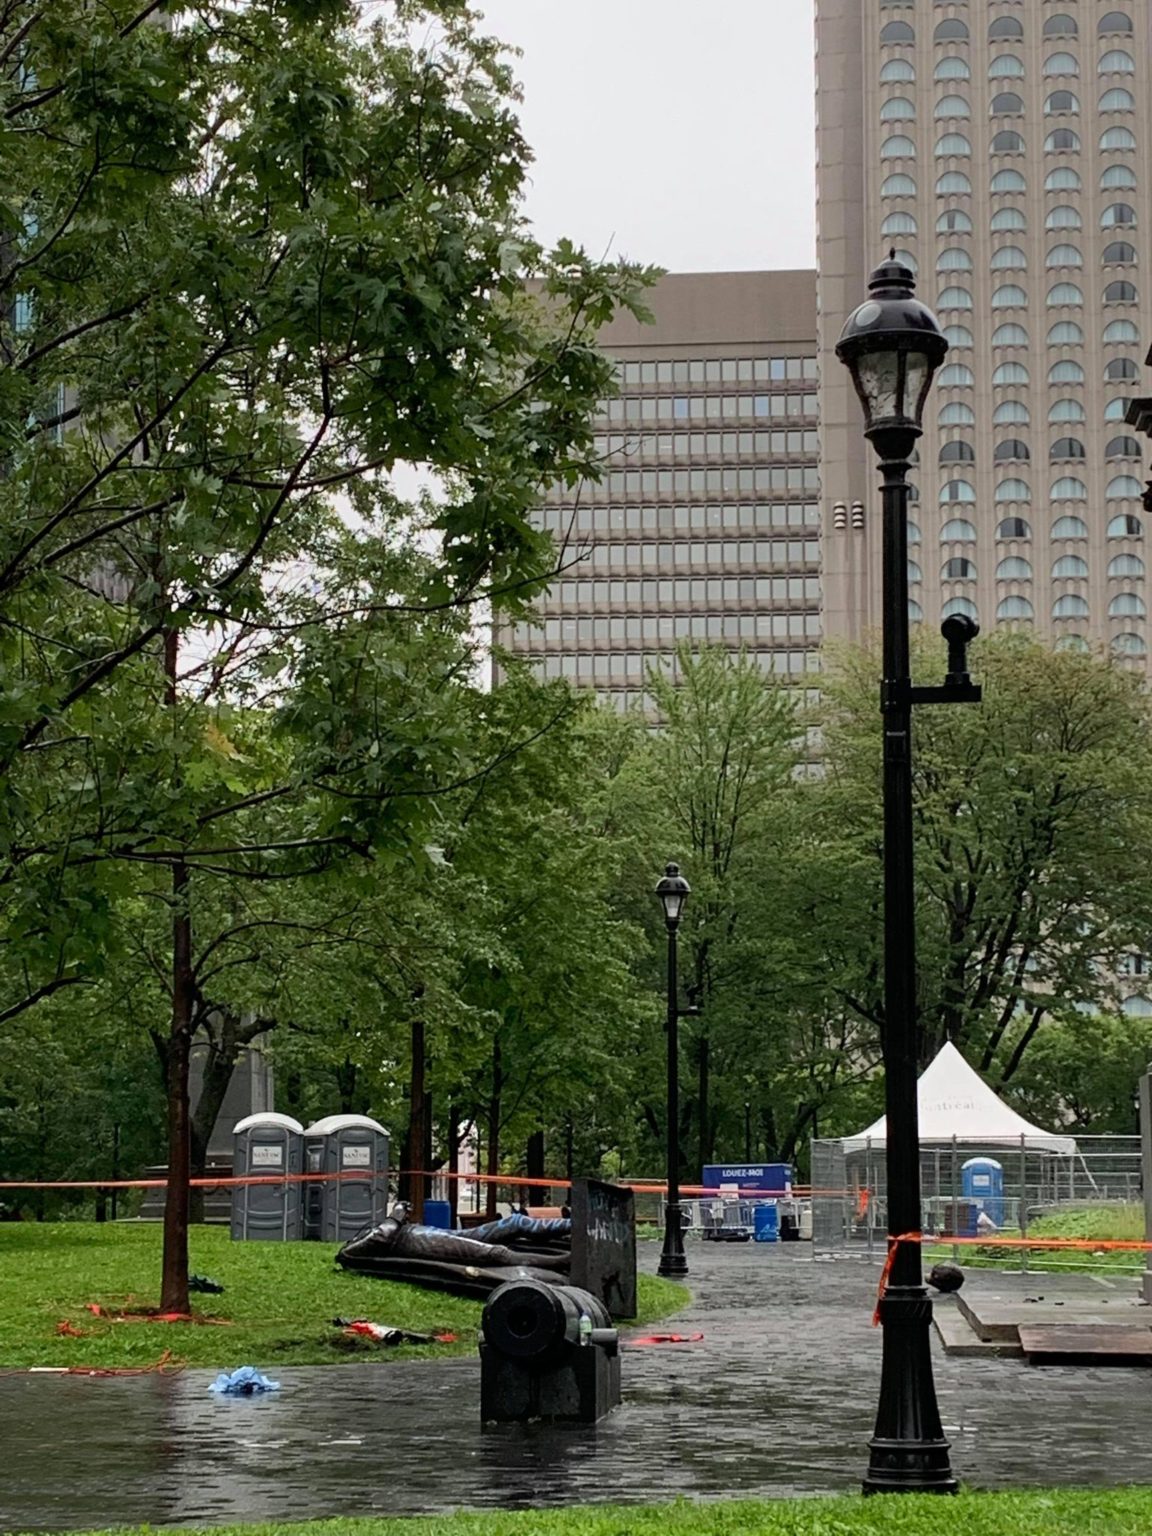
(771, 1178)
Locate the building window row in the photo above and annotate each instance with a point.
(1062, 179)
(672, 627)
(691, 445)
(899, 146)
(901, 109)
(1066, 488)
(708, 407)
(602, 666)
(1003, 29)
(668, 591)
(1012, 449)
(759, 554)
(706, 482)
(743, 515)
(712, 370)
(1124, 526)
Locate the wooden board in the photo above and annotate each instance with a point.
(1088, 1344)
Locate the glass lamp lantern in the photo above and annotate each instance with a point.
(673, 891)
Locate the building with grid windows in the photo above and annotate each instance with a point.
(705, 526)
(1002, 147)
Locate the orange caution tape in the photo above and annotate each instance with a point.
(885, 1273)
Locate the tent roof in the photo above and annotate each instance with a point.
(956, 1102)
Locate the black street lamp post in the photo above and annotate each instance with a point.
(673, 891)
(893, 347)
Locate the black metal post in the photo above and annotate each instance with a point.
(908, 1452)
(672, 1258)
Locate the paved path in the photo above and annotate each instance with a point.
(778, 1399)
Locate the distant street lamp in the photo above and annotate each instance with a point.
(673, 891)
(893, 346)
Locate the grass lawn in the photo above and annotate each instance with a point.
(1097, 1223)
(1111, 1512)
(277, 1305)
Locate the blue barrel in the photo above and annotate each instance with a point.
(766, 1223)
(437, 1213)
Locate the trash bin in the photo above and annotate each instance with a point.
(267, 1143)
(437, 1213)
(356, 1148)
(789, 1228)
(766, 1223)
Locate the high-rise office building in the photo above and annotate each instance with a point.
(705, 526)
(1002, 147)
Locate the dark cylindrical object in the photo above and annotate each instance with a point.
(532, 1322)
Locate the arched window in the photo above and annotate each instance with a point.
(957, 490)
(897, 109)
(914, 572)
(1069, 528)
(1120, 293)
(959, 605)
(1014, 528)
(1065, 295)
(952, 68)
(899, 185)
(957, 453)
(1004, 26)
(952, 144)
(958, 530)
(906, 259)
(1061, 26)
(1011, 413)
(1070, 607)
(952, 106)
(1125, 527)
(898, 147)
(1118, 216)
(1010, 336)
(954, 221)
(952, 183)
(958, 336)
(1007, 143)
(1068, 488)
(1010, 373)
(1117, 138)
(1116, 410)
(1063, 257)
(915, 612)
(955, 376)
(1015, 608)
(1129, 644)
(1005, 219)
(913, 532)
(1136, 1007)
(1116, 62)
(1121, 370)
(1009, 258)
(1124, 486)
(897, 72)
(1066, 448)
(1011, 449)
(1127, 605)
(1070, 568)
(1118, 178)
(951, 31)
(954, 298)
(1060, 64)
(1126, 565)
(1006, 66)
(1062, 179)
(1117, 100)
(1119, 254)
(954, 259)
(1123, 447)
(1115, 21)
(1007, 104)
(1014, 568)
(958, 569)
(1061, 101)
(1066, 372)
(957, 414)
(1066, 410)
(1008, 181)
(1072, 643)
(1065, 333)
(1063, 216)
(1061, 139)
(1013, 490)
(897, 32)
(1009, 296)
(899, 224)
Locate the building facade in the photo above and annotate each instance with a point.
(705, 526)
(1002, 147)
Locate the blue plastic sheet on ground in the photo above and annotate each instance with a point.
(243, 1382)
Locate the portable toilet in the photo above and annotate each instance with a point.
(356, 1148)
(267, 1143)
(982, 1184)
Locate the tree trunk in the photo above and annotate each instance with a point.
(453, 1166)
(493, 1149)
(569, 1150)
(534, 1164)
(703, 1089)
(417, 1123)
(174, 1279)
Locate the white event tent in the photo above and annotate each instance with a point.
(957, 1106)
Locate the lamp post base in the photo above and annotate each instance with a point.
(673, 1261)
(672, 1265)
(908, 1453)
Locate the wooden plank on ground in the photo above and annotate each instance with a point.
(1090, 1344)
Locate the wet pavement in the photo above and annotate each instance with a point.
(777, 1399)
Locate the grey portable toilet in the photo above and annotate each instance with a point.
(355, 1147)
(267, 1143)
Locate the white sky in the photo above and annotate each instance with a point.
(677, 132)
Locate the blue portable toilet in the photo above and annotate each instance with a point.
(982, 1187)
(766, 1222)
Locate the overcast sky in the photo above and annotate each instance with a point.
(678, 132)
